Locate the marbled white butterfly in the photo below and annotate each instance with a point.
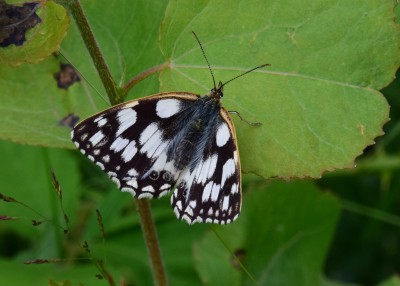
(170, 141)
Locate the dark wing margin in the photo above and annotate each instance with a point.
(127, 143)
(211, 191)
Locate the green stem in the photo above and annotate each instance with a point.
(75, 8)
(142, 76)
(371, 212)
(150, 236)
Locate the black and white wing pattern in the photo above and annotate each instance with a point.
(169, 141)
(210, 191)
(127, 142)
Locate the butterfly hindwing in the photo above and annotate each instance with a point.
(129, 142)
(211, 190)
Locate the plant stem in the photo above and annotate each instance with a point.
(113, 92)
(150, 236)
(371, 212)
(142, 76)
(115, 97)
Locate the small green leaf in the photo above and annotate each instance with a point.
(48, 30)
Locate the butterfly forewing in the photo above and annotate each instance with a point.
(129, 144)
(168, 141)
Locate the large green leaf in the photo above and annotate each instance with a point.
(282, 236)
(317, 101)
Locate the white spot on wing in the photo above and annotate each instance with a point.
(202, 176)
(227, 170)
(106, 158)
(235, 188)
(119, 144)
(145, 195)
(213, 165)
(207, 192)
(215, 192)
(112, 174)
(222, 135)
(148, 188)
(163, 193)
(179, 205)
(225, 203)
(176, 211)
(96, 138)
(147, 133)
(189, 211)
(126, 118)
(132, 183)
(132, 172)
(165, 187)
(100, 165)
(151, 146)
(101, 122)
(116, 181)
(129, 151)
(187, 219)
(167, 107)
(129, 190)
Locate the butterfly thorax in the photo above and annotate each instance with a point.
(196, 125)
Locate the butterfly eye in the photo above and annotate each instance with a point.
(154, 175)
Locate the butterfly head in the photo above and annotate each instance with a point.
(217, 92)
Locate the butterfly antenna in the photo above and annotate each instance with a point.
(264, 65)
(204, 54)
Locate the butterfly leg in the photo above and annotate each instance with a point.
(241, 118)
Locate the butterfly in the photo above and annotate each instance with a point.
(176, 141)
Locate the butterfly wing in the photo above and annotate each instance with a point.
(211, 190)
(128, 143)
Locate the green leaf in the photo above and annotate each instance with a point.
(317, 101)
(43, 39)
(282, 236)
